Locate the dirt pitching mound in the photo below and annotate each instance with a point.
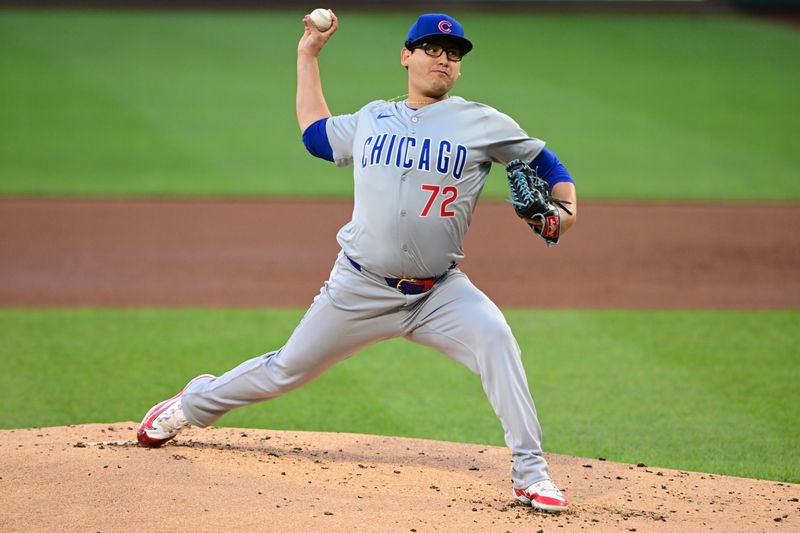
(95, 478)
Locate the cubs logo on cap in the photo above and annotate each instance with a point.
(433, 24)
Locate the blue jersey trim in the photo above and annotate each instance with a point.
(316, 140)
(549, 168)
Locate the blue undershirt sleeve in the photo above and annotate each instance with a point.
(549, 168)
(315, 138)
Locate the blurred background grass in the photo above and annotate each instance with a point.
(193, 103)
(685, 390)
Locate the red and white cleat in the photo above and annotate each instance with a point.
(543, 495)
(164, 420)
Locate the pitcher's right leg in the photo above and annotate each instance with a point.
(315, 346)
(350, 313)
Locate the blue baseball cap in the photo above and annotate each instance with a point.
(435, 24)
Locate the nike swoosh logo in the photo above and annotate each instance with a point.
(381, 115)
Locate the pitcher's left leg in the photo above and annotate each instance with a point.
(464, 324)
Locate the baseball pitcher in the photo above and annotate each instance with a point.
(419, 165)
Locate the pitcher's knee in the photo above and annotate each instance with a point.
(494, 334)
(497, 349)
(283, 379)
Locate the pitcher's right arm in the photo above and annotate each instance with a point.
(310, 104)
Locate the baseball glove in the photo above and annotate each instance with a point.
(530, 196)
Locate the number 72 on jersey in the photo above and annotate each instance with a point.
(448, 194)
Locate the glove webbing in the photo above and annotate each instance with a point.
(522, 190)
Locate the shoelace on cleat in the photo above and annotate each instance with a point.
(545, 486)
(170, 420)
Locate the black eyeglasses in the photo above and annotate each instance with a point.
(435, 50)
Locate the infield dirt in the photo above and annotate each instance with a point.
(278, 253)
(95, 478)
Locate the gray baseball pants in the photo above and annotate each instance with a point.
(356, 309)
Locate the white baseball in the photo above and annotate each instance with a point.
(321, 18)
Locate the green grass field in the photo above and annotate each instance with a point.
(706, 391)
(138, 103)
(201, 104)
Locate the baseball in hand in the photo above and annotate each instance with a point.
(321, 18)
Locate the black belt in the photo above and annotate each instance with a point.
(405, 285)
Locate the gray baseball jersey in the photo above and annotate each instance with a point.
(417, 176)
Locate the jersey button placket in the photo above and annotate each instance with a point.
(412, 130)
(403, 198)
